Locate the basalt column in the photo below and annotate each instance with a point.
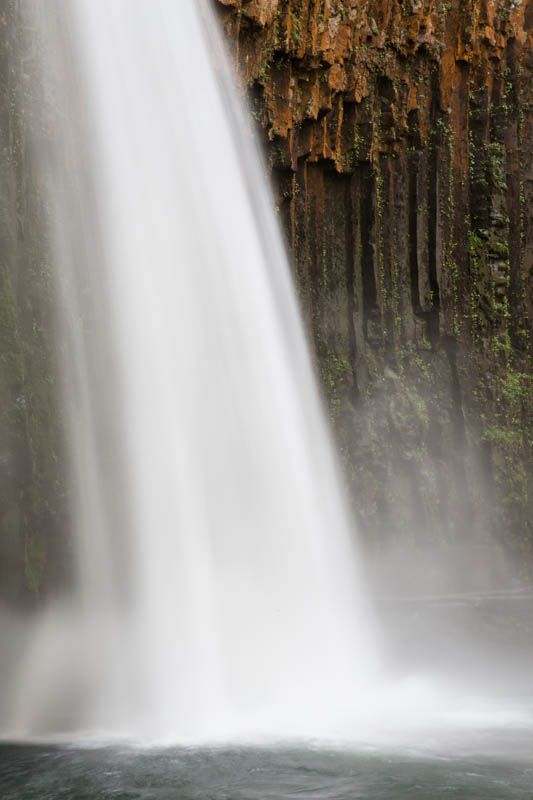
(399, 136)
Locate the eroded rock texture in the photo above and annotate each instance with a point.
(400, 139)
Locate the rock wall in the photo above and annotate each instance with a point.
(399, 134)
(33, 520)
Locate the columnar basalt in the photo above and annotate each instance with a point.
(399, 134)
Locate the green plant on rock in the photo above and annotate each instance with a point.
(335, 371)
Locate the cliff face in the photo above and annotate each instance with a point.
(32, 507)
(399, 134)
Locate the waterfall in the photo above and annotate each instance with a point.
(217, 590)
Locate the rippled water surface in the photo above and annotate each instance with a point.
(58, 773)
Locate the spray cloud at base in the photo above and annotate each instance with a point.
(217, 588)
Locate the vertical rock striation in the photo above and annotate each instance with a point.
(400, 138)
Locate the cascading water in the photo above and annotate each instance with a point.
(217, 590)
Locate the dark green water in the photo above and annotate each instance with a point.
(69, 773)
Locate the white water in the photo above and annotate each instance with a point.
(217, 590)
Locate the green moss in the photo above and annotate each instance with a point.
(296, 28)
(335, 371)
(11, 360)
(34, 563)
